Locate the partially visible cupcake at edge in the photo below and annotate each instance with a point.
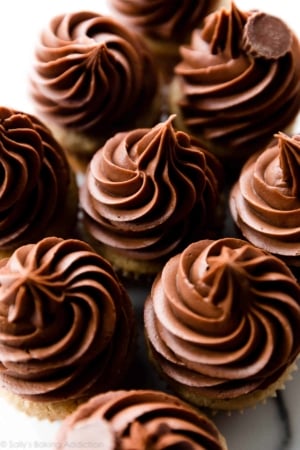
(67, 327)
(265, 200)
(238, 82)
(164, 24)
(139, 419)
(222, 324)
(147, 193)
(38, 191)
(91, 77)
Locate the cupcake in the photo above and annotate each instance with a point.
(265, 200)
(92, 77)
(63, 314)
(139, 420)
(147, 193)
(38, 191)
(164, 24)
(238, 83)
(222, 324)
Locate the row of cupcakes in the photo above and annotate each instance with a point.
(146, 195)
(235, 84)
(221, 324)
(222, 316)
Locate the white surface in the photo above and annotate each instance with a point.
(20, 23)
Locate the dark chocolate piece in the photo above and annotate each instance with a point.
(266, 36)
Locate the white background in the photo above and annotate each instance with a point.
(20, 23)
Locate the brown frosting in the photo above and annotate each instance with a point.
(265, 201)
(164, 20)
(239, 81)
(63, 314)
(223, 319)
(149, 191)
(35, 179)
(91, 73)
(139, 420)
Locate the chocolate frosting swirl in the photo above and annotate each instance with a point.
(63, 314)
(91, 73)
(163, 20)
(239, 79)
(223, 319)
(140, 420)
(149, 191)
(34, 181)
(265, 201)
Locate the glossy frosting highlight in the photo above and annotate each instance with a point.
(135, 194)
(35, 179)
(222, 321)
(140, 420)
(265, 201)
(91, 73)
(237, 85)
(63, 314)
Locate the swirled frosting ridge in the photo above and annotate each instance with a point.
(237, 85)
(149, 191)
(63, 314)
(140, 419)
(34, 182)
(222, 320)
(265, 201)
(91, 73)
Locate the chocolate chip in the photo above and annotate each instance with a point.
(266, 36)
